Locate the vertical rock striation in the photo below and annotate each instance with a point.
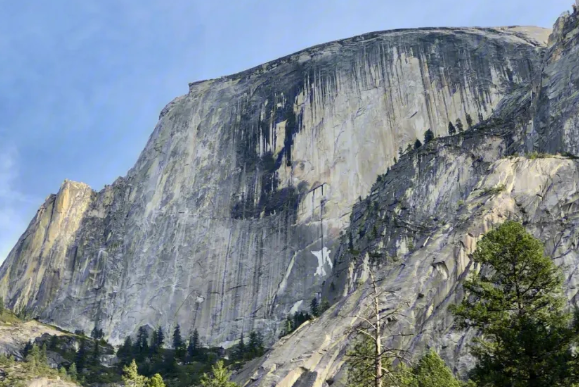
(231, 217)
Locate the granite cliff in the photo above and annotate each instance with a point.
(258, 191)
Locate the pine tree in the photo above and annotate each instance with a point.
(417, 144)
(255, 345)
(156, 381)
(62, 373)
(451, 129)
(240, 349)
(153, 343)
(193, 347)
(428, 136)
(160, 338)
(80, 358)
(325, 305)
(53, 345)
(131, 376)
(34, 358)
(142, 344)
(124, 354)
(96, 354)
(314, 307)
(517, 303)
(72, 371)
(469, 120)
(459, 125)
(27, 349)
(431, 371)
(178, 343)
(219, 377)
(288, 326)
(43, 356)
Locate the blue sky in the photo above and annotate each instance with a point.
(82, 82)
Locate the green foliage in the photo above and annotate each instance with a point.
(459, 125)
(1, 305)
(193, 347)
(428, 136)
(156, 381)
(494, 190)
(361, 371)
(72, 371)
(417, 144)
(81, 355)
(538, 155)
(314, 309)
(255, 345)
(294, 322)
(516, 302)
(142, 343)
(131, 376)
(431, 371)
(19, 374)
(178, 343)
(219, 377)
(239, 351)
(325, 305)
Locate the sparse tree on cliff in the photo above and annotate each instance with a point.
(417, 144)
(469, 120)
(314, 307)
(451, 129)
(428, 136)
(459, 125)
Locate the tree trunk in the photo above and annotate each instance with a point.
(377, 337)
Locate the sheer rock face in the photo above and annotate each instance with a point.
(556, 122)
(231, 217)
(423, 218)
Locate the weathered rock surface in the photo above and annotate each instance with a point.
(541, 193)
(423, 218)
(231, 217)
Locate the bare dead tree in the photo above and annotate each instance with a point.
(372, 328)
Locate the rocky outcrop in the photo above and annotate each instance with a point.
(231, 217)
(14, 336)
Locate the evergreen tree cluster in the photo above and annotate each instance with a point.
(182, 361)
(254, 348)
